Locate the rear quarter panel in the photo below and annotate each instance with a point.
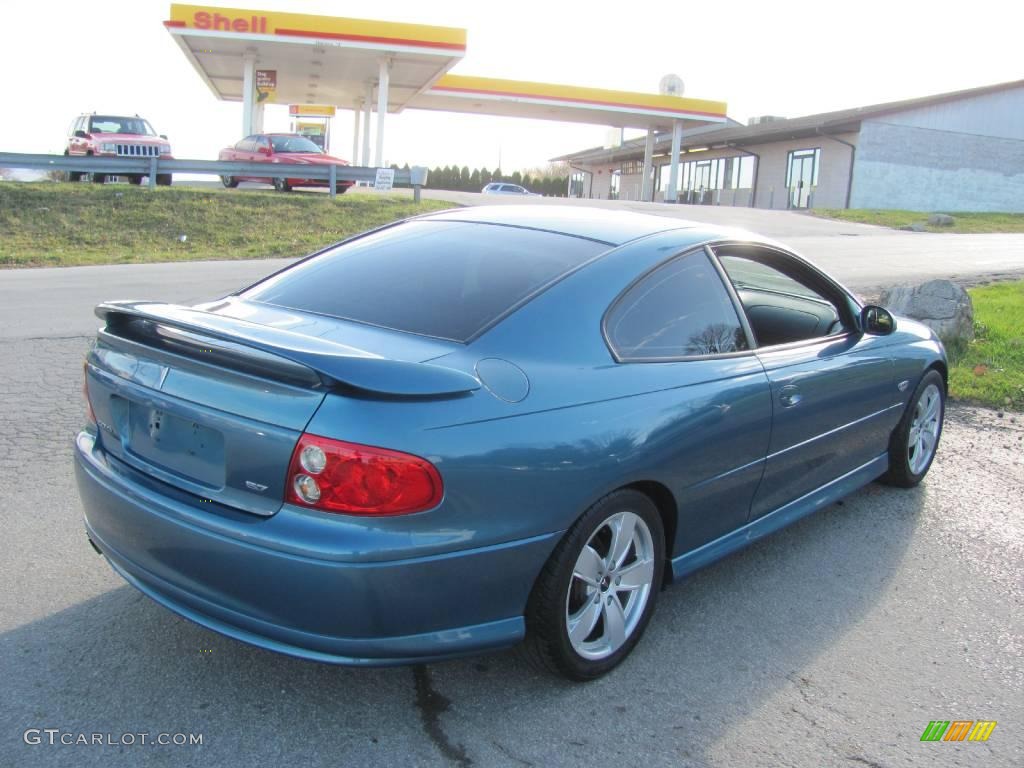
(588, 425)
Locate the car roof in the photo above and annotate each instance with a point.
(608, 226)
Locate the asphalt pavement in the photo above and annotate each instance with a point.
(832, 643)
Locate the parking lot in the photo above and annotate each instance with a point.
(833, 643)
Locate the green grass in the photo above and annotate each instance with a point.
(990, 369)
(56, 225)
(975, 223)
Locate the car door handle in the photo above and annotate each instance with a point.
(790, 396)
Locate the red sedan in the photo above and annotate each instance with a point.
(290, 148)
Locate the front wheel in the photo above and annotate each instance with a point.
(281, 185)
(163, 179)
(597, 591)
(229, 181)
(914, 441)
(72, 175)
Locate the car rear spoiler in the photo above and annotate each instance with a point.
(275, 352)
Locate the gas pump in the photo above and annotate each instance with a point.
(313, 121)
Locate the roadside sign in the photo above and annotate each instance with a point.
(385, 179)
(266, 85)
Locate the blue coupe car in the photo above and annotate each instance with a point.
(487, 425)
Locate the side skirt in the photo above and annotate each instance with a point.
(827, 494)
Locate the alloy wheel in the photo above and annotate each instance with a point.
(610, 586)
(924, 429)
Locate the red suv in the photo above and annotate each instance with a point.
(116, 136)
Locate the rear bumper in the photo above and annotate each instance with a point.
(228, 578)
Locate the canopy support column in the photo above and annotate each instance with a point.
(647, 184)
(355, 134)
(367, 101)
(672, 193)
(257, 117)
(248, 93)
(382, 107)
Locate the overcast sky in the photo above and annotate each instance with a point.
(788, 58)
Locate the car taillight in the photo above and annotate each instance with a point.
(85, 392)
(335, 476)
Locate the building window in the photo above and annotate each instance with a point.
(578, 184)
(632, 166)
(802, 176)
(742, 172)
(700, 180)
(613, 185)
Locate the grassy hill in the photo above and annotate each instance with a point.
(54, 225)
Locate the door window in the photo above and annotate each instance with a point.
(779, 297)
(679, 310)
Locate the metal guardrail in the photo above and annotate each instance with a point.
(155, 166)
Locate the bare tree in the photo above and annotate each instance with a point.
(715, 339)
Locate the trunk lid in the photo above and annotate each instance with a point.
(214, 404)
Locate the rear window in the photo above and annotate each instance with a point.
(446, 279)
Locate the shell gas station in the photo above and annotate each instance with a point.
(317, 65)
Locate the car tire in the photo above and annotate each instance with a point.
(163, 179)
(341, 189)
(281, 185)
(229, 181)
(135, 180)
(95, 178)
(580, 621)
(915, 440)
(72, 175)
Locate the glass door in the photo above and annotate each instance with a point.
(702, 180)
(802, 176)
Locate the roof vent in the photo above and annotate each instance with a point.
(764, 119)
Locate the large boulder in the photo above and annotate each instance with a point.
(943, 306)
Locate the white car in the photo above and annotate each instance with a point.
(502, 188)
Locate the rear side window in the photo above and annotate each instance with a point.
(446, 279)
(681, 309)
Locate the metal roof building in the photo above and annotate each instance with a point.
(957, 151)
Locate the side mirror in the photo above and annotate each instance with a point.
(877, 321)
(163, 135)
(263, 150)
(81, 135)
